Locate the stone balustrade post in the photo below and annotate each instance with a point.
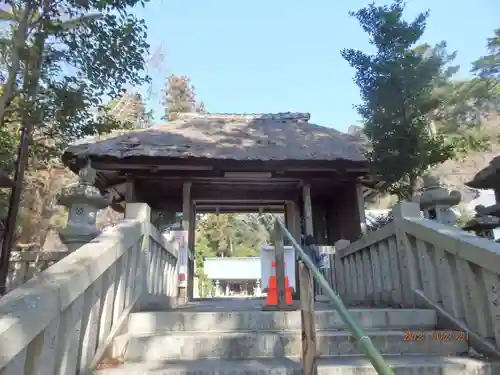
(436, 201)
(83, 201)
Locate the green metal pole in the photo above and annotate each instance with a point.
(367, 346)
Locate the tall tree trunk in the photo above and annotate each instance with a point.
(28, 120)
(19, 42)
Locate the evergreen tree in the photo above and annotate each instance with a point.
(488, 66)
(396, 86)
(180, 97)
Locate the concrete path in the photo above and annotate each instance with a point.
(236, 304)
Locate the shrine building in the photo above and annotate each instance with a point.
(316, 175)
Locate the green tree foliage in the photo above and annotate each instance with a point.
(464, 105)
(180, 97)
(488, 66)
(59, 61)
(231, 235)
(59, 71)
(396, 86)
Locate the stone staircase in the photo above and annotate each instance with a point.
(109, 305)
(197, 340)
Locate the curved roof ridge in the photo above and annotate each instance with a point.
(279, 116)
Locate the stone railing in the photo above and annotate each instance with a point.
(26, 264)
(417, 262)
(368, 268)
(63, 319)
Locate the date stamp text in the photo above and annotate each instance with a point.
(422, 334)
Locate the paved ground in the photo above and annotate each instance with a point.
(236, 304)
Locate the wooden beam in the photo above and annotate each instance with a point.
(226, 164)
(238, 210)
(203, 205)
(275, 183)
(178, 171)
(149, 167)
(216, 176)
(337, 171)
(308, 322)
(206, 177)
(277, 195)
(248, 175)
(257, 202)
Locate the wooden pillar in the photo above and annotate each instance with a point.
(306, 196)
(349, 212)
(306, 214)
(292, 216)
(319, 223)
(307, 315)
(186, 219)
(333, 221)
(192, 253)
(304, 276)
(279, 254)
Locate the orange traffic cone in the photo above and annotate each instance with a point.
(272, 291)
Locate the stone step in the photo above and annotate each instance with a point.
(233, 345)
(166, 321)
(402, 365)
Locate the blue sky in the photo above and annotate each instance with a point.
(278, 56)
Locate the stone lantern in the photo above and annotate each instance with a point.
(482, 224)
(83, 201)
(436, 201)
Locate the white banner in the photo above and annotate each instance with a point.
(179, 239)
